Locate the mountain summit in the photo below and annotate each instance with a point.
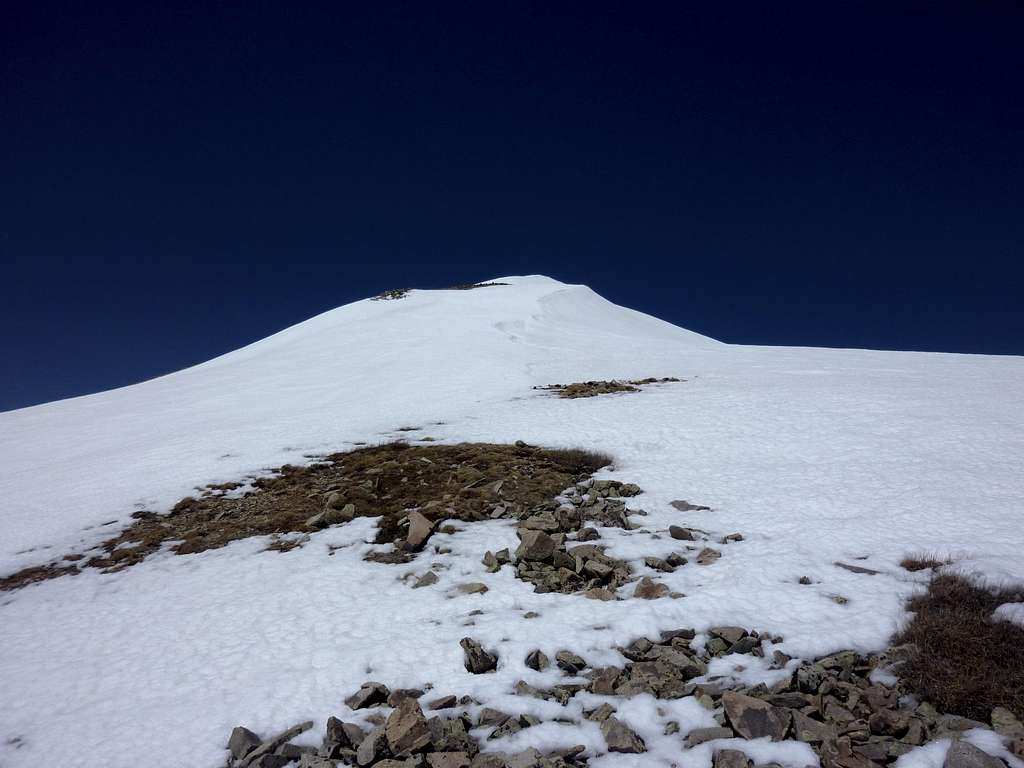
(743, 500)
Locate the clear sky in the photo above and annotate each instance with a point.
(180, 179)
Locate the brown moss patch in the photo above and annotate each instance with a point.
(595, 388)
(465, 482)
(964, 662)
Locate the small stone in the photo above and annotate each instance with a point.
(599, 593)
(420, 529)
(685, 506)
(537, 660)
(731, 758)
(425, 580)
(477, 660)
(587, 534)
(621, 738)
(805, 580)
(448, 760)
(681, 534)
(267, 747)
(676, 560)
(730, 635)
(647, 589)
(406, 728)
(752, 718)
(242, 742)
(536, 545)
(489, 716)
(732, 538)
(400, 694)
(707, 556)
(658, 564)
(811, 731)
(963, 754)
(445, 702)
(569, 662)
(701, 735)
(369, 695)
(855, 568)
(472, 588)
(373, 747)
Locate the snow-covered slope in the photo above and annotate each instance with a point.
(813, 455)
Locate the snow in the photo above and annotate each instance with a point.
(1011, 612)
(814, 455)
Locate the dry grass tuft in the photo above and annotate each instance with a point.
(922, 561)
(965, 663)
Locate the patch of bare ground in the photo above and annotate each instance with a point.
(963, 661)
(461, 482)
(595, 388)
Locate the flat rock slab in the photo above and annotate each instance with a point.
(753, 718)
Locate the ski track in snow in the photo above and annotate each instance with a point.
(814, 455)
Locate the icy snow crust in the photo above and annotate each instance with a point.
(813, 455)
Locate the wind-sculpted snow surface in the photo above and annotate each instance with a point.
(815, 456)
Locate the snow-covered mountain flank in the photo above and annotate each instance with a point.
(814, 456)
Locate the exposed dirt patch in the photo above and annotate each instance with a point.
(595, 388)
(963, 661)
(462, 482)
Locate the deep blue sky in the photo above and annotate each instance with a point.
(180, 181)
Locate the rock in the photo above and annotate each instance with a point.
(855, 568)
(344, 515)
(400, 694)
(587, 534)
(658, 564)
(316, 761)
(620, 737)
(888, 722)
(681, 534)
(731, 758)
(472, 588)
(445, 702)
(294, 751)
(1006, 724)
(808, 678)
(374, 747)
(536, 545)
(685, 506)
(676, 560)
(604, 680)
(477, 660)
(732, 538)
(242, 741)
(707, 556)
(963, 754)
(599, 593)
(340, 734)
(267, 747)
(406, 728)
(420, 529)
(490, 560)
(369, 695)
(647, 589)
(448, 760)
(537, 660)
(569, 662)
(730, 635)
(811, 731)
(489, 716)
(450, 735)
(270, 760)
(700, 735)
(425, 580)
(752, 718)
